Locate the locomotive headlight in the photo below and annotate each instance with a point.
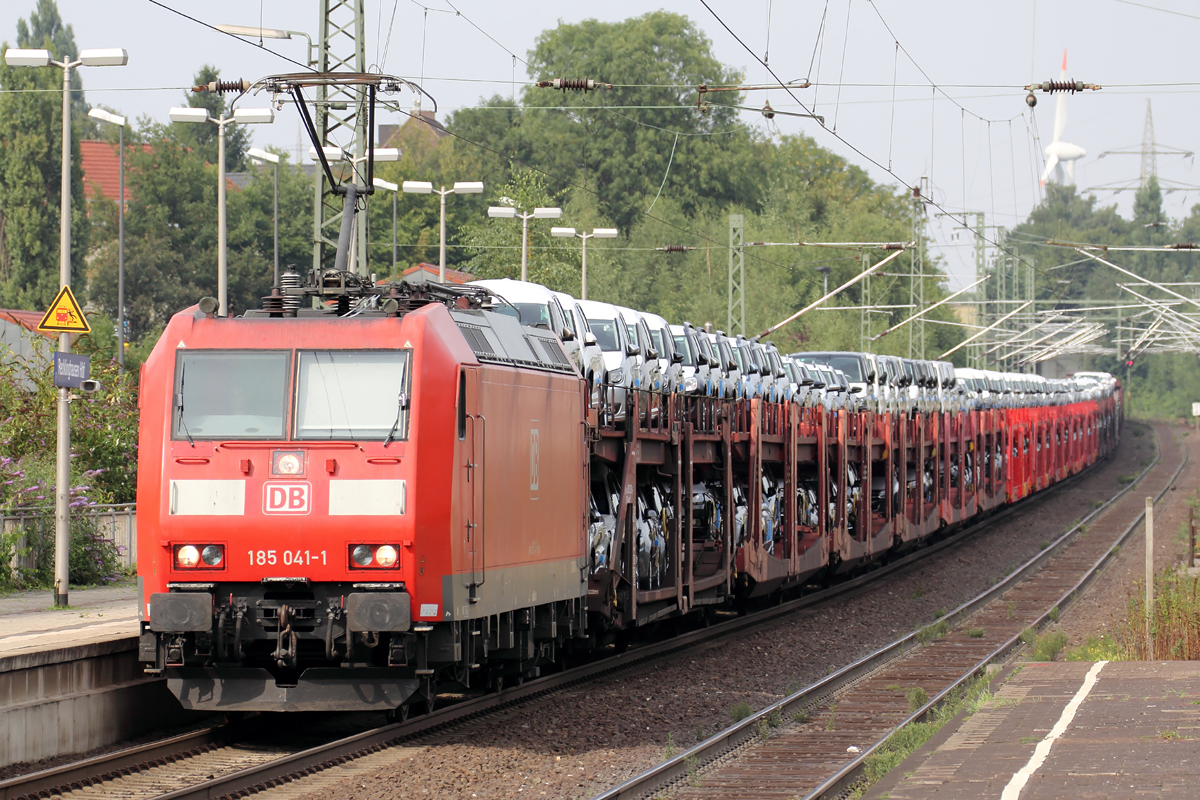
(187, 556)
(212, 555)
(287, 462)
(362, 555)
(385, 556)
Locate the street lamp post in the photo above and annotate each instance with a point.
(112, 57)
(119, 121)
(262, 156)
(459, 187)
(240, 116)
(508, 212)
(825, 272)
(380, 183)
(597, 233)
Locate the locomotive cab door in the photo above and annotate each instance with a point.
(472, 431)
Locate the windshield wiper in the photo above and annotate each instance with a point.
(401, 402)
(182, 421)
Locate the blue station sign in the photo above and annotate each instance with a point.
(71, 370)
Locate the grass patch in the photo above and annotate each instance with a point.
(739, 711)
(1174, 619)
(1054, 614)
(917, 697)
(1029, 739)
(1126, 478)
(669, 753)
(975, 633)
(904, 742)
(1028, 635)
(1047, 646)
(1097, 648)
(941, 612)
(1043, 544)
(829, 724)
(934, 631)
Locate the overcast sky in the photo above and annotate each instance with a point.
(971, 138)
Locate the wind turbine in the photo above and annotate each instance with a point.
(1060, 155)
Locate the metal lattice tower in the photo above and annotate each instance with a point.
(864, 333)
(737, 274)
(981, 271)
(1149, 151)
(916, 282)
(341, 120)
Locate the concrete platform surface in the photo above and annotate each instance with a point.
(1121, 729)
(30, 625)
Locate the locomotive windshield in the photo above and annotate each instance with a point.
(352, 394)
(226, 394)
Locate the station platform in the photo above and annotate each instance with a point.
(1120, 729)
(34, 633)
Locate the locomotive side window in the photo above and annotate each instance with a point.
(227, 394)
(352, 394)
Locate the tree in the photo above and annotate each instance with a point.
(203, 138)
(496, 244)
(632, 141)
(31, 173)
(440, 160)
(45, 29)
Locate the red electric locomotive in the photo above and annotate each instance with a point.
(324, 499)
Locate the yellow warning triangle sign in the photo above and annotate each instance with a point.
(64, 315)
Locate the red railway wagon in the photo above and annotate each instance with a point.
(350, 506)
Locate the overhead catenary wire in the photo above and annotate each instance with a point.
(395, 107)
(858, 150)
(828, 295)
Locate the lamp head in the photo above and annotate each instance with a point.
(246, 116)
(605, 233)
(262, 155)
(418, 187)
(257, 33)
(380, 183)
(502, 212)
(104, 116)
(386, 153)
(188, 114)
(547, 213)
(107, 57)
(19, 57)
(562, 232)
(468, 187)
(331, 153)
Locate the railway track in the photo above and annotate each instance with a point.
(227, 760)
(800, 746)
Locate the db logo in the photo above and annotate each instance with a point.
(286, 498)
(534, 458)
